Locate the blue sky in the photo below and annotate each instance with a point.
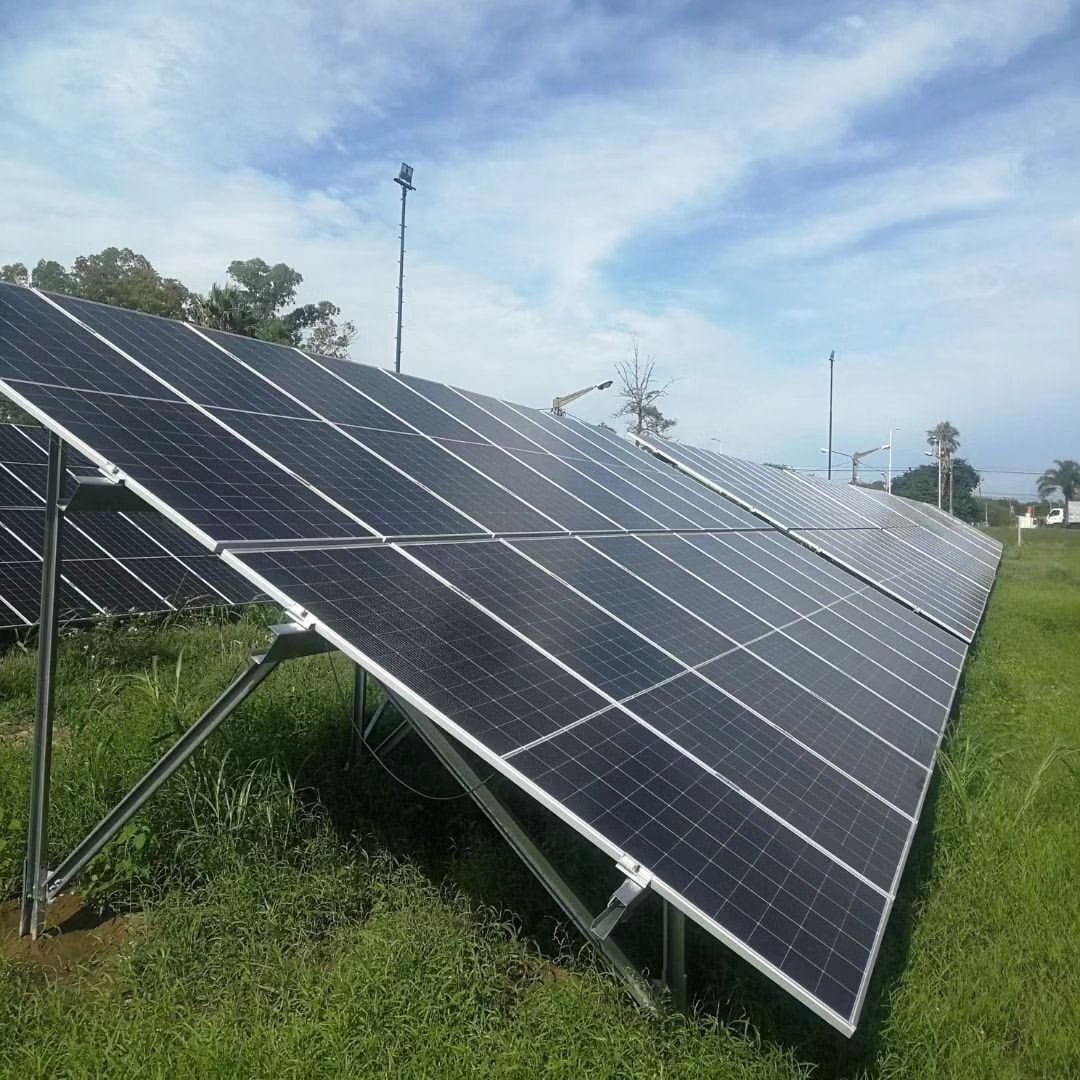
(743, 187)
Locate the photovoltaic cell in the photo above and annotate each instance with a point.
(384, 500)
(599, 649)
(495, 687)
(314, 386)
(220, 484)
(797, 909)
(185, 360)
(39, 344)
(394, 396)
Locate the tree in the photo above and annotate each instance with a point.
(255, 300)
(640, 391)
(14, 273)
(225, 307)
(1063, 477)
(122, 277)
(944, 440)
(268, 288)
(921, 484)
(330, 338)
(52, 277)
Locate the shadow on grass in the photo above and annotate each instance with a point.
(448, 838)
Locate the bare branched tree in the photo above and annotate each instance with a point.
(640, 391)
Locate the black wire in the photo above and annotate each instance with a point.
(386, 768)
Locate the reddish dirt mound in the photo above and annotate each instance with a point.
(76, 935)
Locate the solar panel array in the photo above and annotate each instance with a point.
(680, 681)
(114, 563)
(934, 563)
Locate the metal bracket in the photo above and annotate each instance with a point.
(624, 899)
(98, 493)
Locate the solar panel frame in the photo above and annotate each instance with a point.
(931, 583)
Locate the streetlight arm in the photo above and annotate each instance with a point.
(558, 406)
(866, 453)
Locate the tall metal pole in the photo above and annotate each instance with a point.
(400, 279)
(950, 483)
(888, 480)
(832, 358)
(35, 872)
(404, 181)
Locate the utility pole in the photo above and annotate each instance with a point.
(937, 454)
(950, 482)
(404, 178)
(832, 358)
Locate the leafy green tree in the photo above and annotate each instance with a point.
(945, 436)
(328, 337)
(14, 273)
(268, 288)
(1063, 477)
(944, 440)
(921, 484)
(121, 277)
(257, 299)
(52, 277)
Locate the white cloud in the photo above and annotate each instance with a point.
(551, 141)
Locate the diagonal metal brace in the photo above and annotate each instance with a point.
(290, 641)
(515, 835)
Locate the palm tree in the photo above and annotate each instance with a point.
(944, 440)
(226, 308)
(1064, 477)
(945, 436)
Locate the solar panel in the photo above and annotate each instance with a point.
(665, 665)
(936, 570)
(113, 562)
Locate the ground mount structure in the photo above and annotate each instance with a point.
(731, 679)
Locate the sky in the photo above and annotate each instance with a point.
(741, 188)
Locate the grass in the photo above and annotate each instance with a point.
(298, 919)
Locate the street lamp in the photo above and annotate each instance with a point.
(856, 458)
(558, 406)
(888, 482)
(404, 178)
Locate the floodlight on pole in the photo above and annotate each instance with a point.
(404, 179)
(856, 458)
(558, 405)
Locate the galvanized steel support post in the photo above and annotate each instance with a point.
(675, 955)
(356, 717)
(32, 917)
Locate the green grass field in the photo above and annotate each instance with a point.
(272, 914)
